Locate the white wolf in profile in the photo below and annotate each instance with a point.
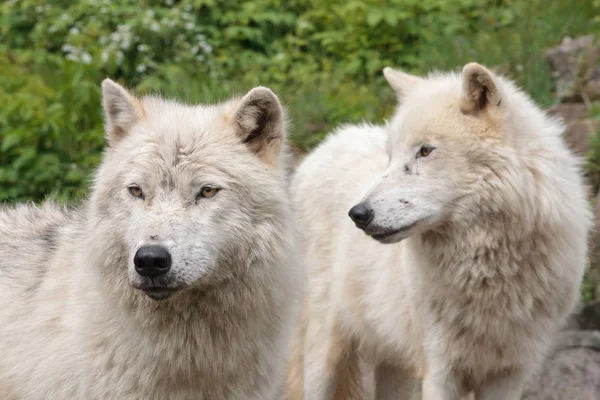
(175, 280)
(471, 249)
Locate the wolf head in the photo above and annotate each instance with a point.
(186, 196)
(450, 140)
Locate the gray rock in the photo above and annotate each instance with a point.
(568, 112)
(579, 133)
(571, 372)
(574, 64)
(588, 317)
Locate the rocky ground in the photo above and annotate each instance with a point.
(572, 370)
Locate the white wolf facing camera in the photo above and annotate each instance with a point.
(176, 280)
(471, 249)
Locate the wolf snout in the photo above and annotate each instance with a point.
(152, 261)
(361, 214)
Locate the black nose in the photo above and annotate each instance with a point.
(361, 214)
(152, 261)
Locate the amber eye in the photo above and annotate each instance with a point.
(208, 191)
(136, 191)
(425, 151)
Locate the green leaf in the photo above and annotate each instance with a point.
(374, 16)
(391, 18)
(26, 156)
(9, 141)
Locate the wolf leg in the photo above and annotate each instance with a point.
(443, 384)
(331, 365)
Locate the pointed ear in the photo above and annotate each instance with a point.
(400, 81)
(480, 90)
(121, 110)
(259, 122)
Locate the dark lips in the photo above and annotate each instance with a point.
(382, 235)
(157, 293)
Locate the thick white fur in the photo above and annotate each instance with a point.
(73, 325)
(468, 299)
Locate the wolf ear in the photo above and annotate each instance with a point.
(121, 109)
(259, 122)
(400, 81)
(479, 88)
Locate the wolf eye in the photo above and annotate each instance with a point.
(136, 191)
(207, 192)
(425, 150)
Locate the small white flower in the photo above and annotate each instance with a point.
(74, 30)
(189, 25)
(105, 56)
(86, 57)
(206, 47)
(154, 27)
(141, 68)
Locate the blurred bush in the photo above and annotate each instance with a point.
(323, 58)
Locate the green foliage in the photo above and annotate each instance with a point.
(324, 59)
(50, 126)
(588, 289)
(512, 36)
